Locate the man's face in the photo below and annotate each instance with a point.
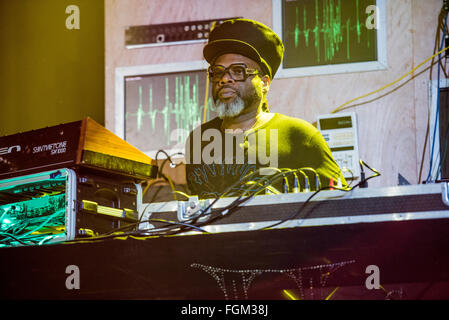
(231, 97)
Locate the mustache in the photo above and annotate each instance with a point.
(226, 86)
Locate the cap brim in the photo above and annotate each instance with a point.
(218, 47)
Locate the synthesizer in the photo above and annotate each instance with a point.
(62, 204)
(68, 181)
(83, 144)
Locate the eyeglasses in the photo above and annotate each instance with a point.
(237, 71)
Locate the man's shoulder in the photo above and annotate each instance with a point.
(293, 123)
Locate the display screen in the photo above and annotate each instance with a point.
(336, 123)
(317, 32)
(162, 109)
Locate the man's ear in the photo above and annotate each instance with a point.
(266, 83)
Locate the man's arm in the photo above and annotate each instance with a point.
(323, 161)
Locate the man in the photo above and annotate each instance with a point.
(246, 137)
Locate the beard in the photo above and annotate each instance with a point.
(229, 110)
(236, 106)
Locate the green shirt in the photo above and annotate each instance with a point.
(213, 165)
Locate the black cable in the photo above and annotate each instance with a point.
(166, 221)
(293, 216)
(223, 193)
(302, 207)
(179, 227)
(12, 237)
(444, 155)
(141, 216)
(108, 235)
(138, 233)
(352, 175)
(161, 151)
(177, 223)
(440, 26)
(171, 161)
(168, 158)
(317, 178)
(219, 213)
(242, 199)
(136, 225)
(154, 197)
(363, 183)
(237, 202)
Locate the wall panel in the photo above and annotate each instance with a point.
(391, 123)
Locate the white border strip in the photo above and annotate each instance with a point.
(406, 190)
(317, 222)
(161, 44)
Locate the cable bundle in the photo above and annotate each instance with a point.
(208, 215)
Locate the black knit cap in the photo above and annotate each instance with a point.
(249, 38)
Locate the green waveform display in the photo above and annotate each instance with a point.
(161, 110)
(322, 32)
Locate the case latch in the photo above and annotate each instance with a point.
(192, 208)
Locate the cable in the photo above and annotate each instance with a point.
(42, 224)
(363, 183)
(239, 200)
(178, 227)
(145, 190)
(12, 237)
(206, 97)
(294, 215)
(137, 233)
(271, 189)
(317, 177)
(443, 158)
(226, 191)
(141, 216)
(171, 161)
(236, 203)
(160, 174)
(183, 194)
(161, 151)
(158, 190)
(264, 179)
(350, 171)
(437, 37)
(176, 223)
(224, 211)
(136, 225)
(172, 186)
(429, 176)
(344, 105)
(148, 204)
